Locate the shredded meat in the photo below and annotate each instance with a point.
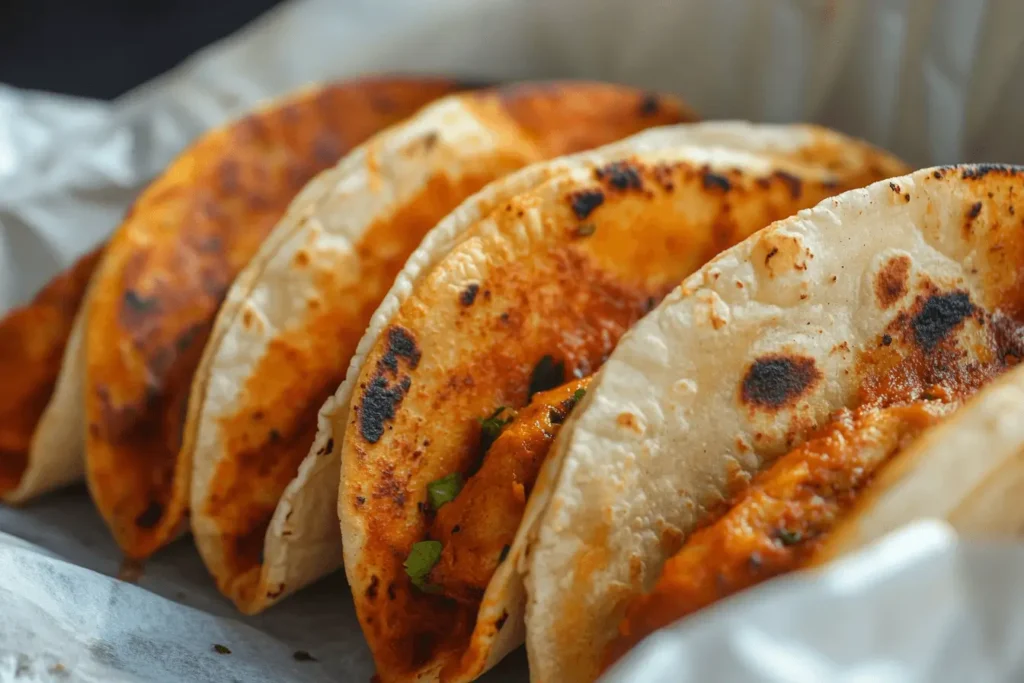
(477, 527)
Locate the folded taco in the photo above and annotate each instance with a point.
(867, 473)
(41, 435)
(167, 268)
(784, 401)
(263, 501)
(484, 345)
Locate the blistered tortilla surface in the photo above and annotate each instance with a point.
(561, 270)
(167, 269)
(905, 289)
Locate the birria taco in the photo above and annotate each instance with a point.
(41, 435)
(264, 518)
(483, 347)
(166, 269)
(797, 396)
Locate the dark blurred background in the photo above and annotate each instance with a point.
(101, 48)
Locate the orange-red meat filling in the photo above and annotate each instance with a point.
(776, 524)
(479, 525)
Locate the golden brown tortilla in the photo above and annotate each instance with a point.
(168, 267)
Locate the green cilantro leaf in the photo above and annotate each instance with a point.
(491, 426)
(422, 558)
(578, 395)
(787, 537)
(444, 490)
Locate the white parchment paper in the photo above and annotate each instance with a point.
(936, 81)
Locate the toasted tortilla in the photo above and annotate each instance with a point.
(36, 453)
(291, 321)
(559, 270)
(168, 267)
(900, 291)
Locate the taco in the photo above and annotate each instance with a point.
(40, 436)
(264, 519)
(167, 268)
(871, 471)
(783, 401)
(509, 306)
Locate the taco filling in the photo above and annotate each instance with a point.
(475, 523)
(776, 525)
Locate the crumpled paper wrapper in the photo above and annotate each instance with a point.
(936, 81)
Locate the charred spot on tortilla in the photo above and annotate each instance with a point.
(584, 202)
(886, 339)
(662, 173)
(149, 517)
(501, 620)
(371, 590)
(327, 448)
(468, 295)
(714, 181)
(504, 553)
(891, 283)
(777, 380)
(649, 104)
(939, 316)
(974, 211)
(547, 374)
(379, 403)
(401, 344)
(793, 183)
(620, 175)
(772, 252)
(978, 171)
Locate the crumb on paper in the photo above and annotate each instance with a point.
(303, 656)
(221, 649)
